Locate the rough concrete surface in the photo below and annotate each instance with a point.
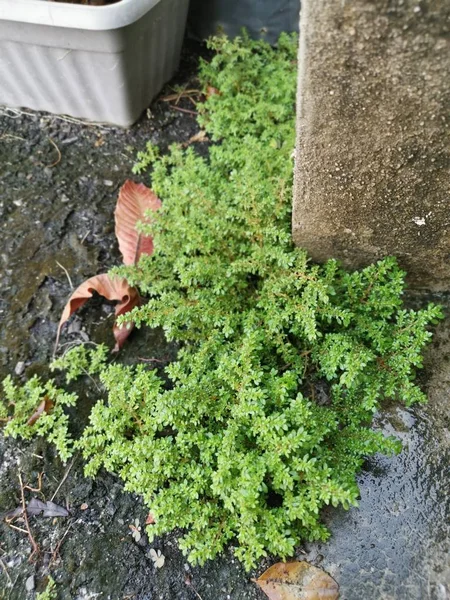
(373, 149)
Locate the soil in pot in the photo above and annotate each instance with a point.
(88, 2)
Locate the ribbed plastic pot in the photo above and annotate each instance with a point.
(100, 63)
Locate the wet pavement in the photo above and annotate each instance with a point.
(58, 186)
(396, 545)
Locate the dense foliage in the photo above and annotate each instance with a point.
(265, 416)
(24, 402)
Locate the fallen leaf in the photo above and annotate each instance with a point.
(36, 507)
(198, 137)
(99, 141)
(11, 514)
(150, 520)
(115, 289)
(44, 407)
(135, 199)
(212, 91)
(297, 581)
(48, 509)
(157, 558)
(54, 510)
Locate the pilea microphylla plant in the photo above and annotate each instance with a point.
(265, 415)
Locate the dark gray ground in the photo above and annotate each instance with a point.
(395, 546)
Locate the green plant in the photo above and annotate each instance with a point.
(50, 591)
(265, 415)
(38, 410)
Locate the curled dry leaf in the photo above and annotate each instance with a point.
(44, 407)
(114, 289)
(212, 91)
(297, 581)
(198, 137)
(135, 199)
(150, 520)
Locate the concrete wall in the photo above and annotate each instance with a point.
(372, 174)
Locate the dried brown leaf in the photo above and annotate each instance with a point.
(44, 407)
(297, 581)
(114, 289)
(212, 91)
(135, 199)
(150, 520)
(198, 137)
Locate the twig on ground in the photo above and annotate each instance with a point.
(184, 110)
(67, 274)
(158, 360)
(55, 552)
(58, 160)
(93, 381)
(73, 344)
(12, 137)
(196, 593)
(15, 113)
(2, 564)
(66, 474)
(81, 122)
(85, 236)
(183, 94)
(39, 488)
(25, 518)
(189, 583)
(16, 528)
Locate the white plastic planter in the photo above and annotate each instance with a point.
(101, 63)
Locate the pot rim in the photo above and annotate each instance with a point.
(75, 16)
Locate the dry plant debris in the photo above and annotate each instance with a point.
(297, 581)
(134, 203)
